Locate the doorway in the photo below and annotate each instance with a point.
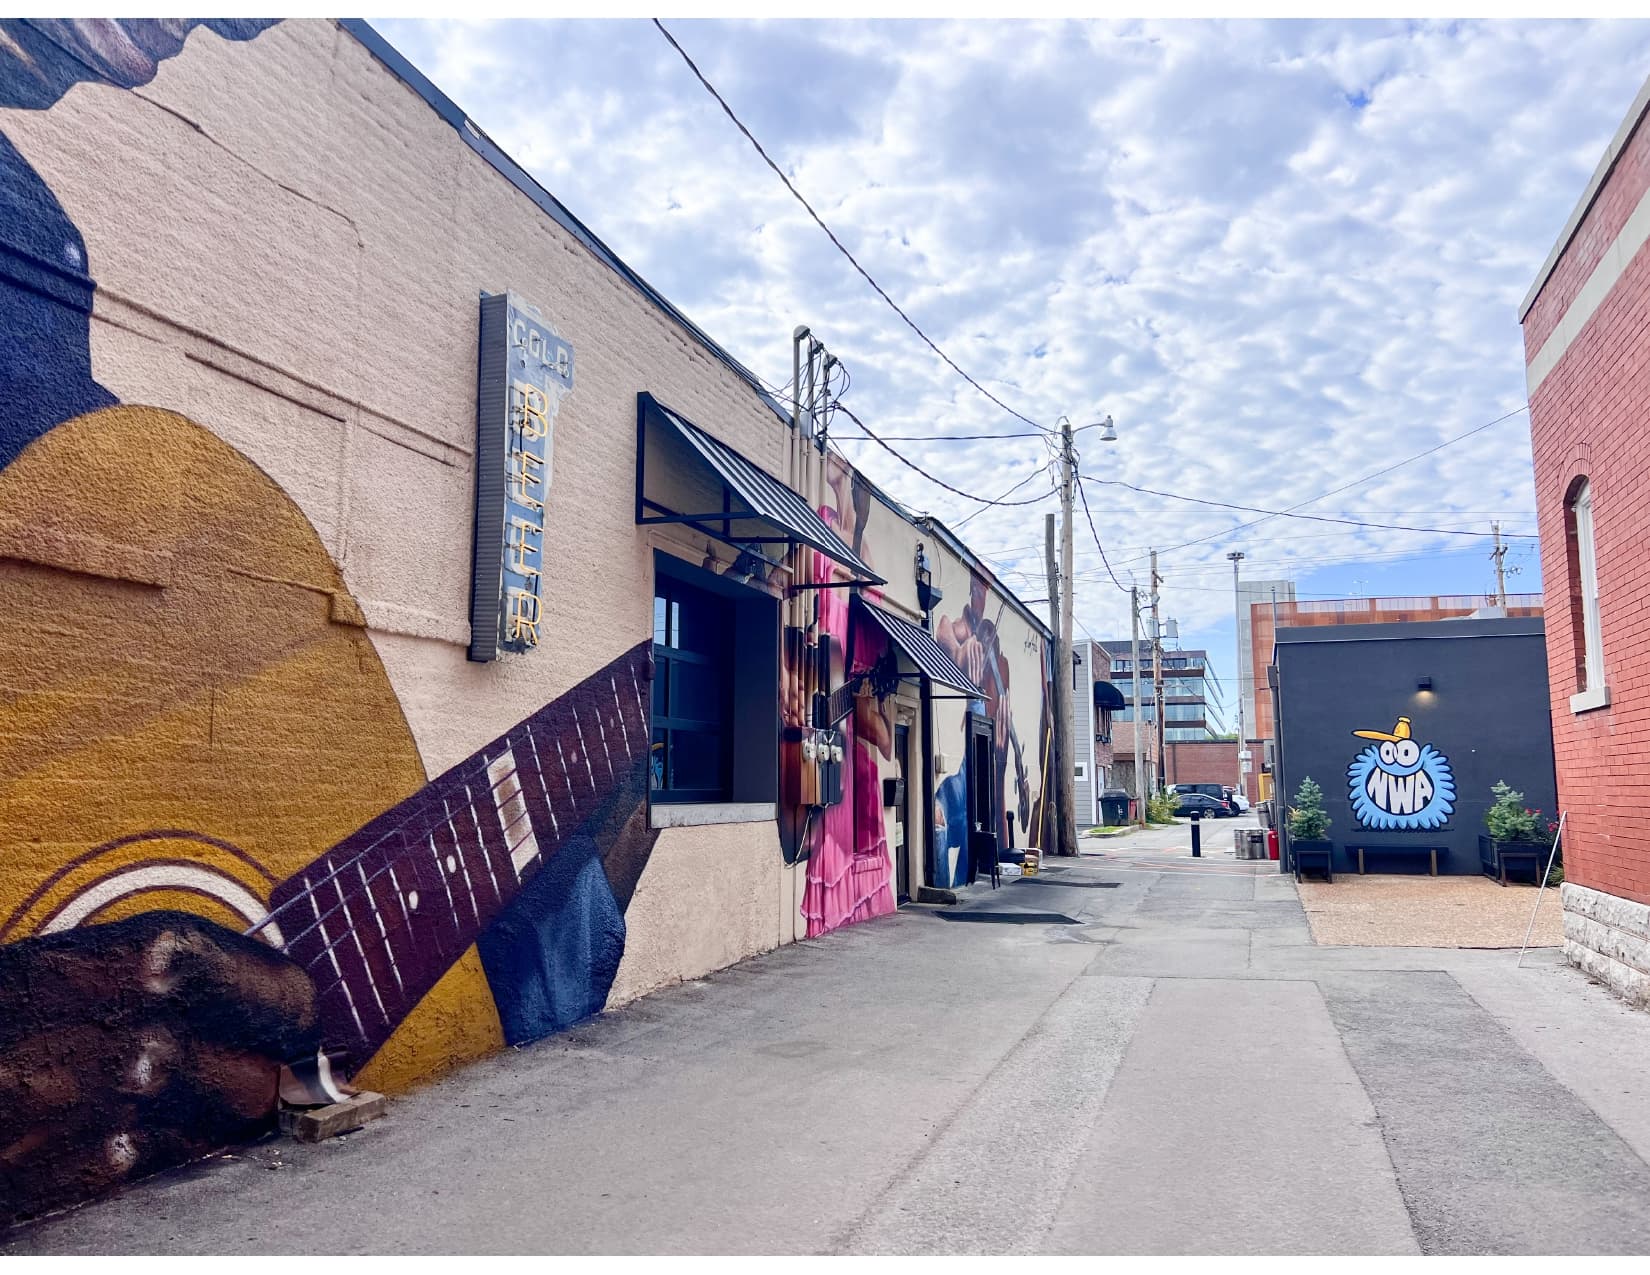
(902, 807)
(981, 768)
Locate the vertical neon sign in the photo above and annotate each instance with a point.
(523, 372)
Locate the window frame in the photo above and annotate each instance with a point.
(1581, 519)
(669, 661)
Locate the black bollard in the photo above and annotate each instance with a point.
(1197, 834)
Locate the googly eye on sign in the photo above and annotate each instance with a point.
(1397, 782)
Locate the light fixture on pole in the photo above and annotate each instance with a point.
(1237, 603)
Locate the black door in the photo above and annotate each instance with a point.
(982, 793)
(902, 827)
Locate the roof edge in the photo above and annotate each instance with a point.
(1589, 196)
(941, 532)
(403, 69)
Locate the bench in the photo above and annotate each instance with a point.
(1400, 851)
(1313, 860)
(1497, 857)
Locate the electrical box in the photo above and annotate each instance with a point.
(813, 766)
(942, 764)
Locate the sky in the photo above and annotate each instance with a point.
(1280, 255)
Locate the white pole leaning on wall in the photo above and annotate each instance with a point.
(1551, 855)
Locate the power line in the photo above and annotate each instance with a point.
(1016, 487)
(1334, 491)
(967, 495)
(1284, 513)
(819, 221)
(1096, 534)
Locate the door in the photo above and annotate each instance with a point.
(902, 808)
(982, 787)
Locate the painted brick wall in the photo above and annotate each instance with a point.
(1591, 416)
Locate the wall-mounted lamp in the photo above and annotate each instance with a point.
(1423, 683)
(928, 596)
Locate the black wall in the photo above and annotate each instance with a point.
(1488, 713)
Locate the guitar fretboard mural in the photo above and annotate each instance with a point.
(380, 917)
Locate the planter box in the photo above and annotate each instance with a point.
(1312, 856)
(1499, 857)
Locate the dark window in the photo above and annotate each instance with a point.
(692, 692)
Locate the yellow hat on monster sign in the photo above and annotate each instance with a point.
(1399, 732)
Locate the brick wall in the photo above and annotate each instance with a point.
(1200, 762)
(1591, 417)
(1626, 185)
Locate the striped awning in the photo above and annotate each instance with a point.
(919, 647)
(760, 497)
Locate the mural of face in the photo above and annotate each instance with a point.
(1397, 783)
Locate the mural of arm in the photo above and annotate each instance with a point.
(134, 1045)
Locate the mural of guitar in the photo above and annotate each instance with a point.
(380, 917)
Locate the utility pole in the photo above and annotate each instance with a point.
(1237, 606)
(1068, 604)
(1500, 556)
(1139, 725)
(1157, 668)
(1062, 702)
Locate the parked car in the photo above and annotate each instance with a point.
(1207, 806)
(1240, 803)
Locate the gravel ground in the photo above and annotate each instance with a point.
(1415, 911)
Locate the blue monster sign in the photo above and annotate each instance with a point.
(1397, 783)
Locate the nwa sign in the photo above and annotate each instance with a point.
(523, 371)
(1399, 783)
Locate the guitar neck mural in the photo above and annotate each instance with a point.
(379, 918)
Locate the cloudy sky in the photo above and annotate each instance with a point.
(1282, 255)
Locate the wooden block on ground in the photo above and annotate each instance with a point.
(316, 1124)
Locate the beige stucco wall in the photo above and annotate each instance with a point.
(289, 246)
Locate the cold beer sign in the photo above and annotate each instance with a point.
(524, 370)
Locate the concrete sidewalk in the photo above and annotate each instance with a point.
(1110, 1057)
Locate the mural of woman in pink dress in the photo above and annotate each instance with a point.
(850, 871)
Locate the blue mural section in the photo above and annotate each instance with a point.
(551, 957)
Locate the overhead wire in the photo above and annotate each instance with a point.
(957, 526)
(830, 234)
(1356, 482)
(940, 482)
(1284, 513)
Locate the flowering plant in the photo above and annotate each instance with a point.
(1510, 820)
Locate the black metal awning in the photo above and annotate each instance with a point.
(1108, 696)
(920, 647)
(752, 500)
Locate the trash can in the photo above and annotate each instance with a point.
(1114, 807)
(1249, 843)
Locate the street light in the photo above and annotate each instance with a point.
(1237, 635)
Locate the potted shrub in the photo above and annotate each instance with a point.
(1309, 828)
(1518, 837)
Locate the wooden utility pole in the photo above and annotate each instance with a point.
(1500, 556)
(1062, 702)
(1157, 668)
(1139, 725)
(1067, 772)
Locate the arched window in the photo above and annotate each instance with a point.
(1584, 608)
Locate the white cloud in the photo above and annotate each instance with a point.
(1280, 254)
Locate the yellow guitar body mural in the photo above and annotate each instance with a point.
(192, 710)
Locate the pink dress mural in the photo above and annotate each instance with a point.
(849, 870)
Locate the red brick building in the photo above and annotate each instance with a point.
(1200, 761)
(1586, 326)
